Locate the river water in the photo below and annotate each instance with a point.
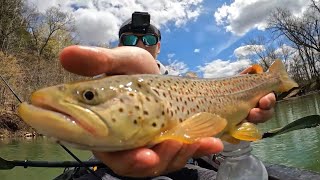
(298, 149)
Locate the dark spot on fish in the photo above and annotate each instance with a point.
(147, 98)
(121, 100)
(164, 94)
(180, 120)
(162, 113)
(145, 112)
(113, 120)
(139, 85)
(120, 110)
(162, 125)
(137, 107)
(135, 121)
(131, 94)
(156, 91)
(154, 124)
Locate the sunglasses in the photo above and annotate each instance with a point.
(132, 40)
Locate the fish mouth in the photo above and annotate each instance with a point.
(57, 118)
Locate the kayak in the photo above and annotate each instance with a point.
(281, 172)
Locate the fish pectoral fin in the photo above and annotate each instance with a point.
(246, 131)
(199, 125)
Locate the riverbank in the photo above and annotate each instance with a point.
(11, 125)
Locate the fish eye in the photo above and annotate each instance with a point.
(88, 95)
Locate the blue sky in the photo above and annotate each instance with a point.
(206, 36)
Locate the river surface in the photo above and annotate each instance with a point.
(298, 148)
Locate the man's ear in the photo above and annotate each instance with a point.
(159, 46)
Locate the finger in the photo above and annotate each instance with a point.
(258, 115)
(208, 146)
(125, 162)
(91, 61)
(167, 151)
(267, 102)
(180, 160)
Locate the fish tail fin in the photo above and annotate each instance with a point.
(286, 82)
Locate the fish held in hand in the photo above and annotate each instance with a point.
(128, 111)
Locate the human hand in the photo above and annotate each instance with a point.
(265, 109)
(165, 157)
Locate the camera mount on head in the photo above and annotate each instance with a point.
(140, 22)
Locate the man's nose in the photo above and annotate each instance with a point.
(140, 43)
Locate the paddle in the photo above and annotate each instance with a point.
(6, 165)
(302, 123)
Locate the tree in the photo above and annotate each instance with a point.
(304, 33)
(44, 27)
(11, 24)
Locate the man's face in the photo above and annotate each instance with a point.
(154, 50)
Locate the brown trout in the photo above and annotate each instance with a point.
(128, 111)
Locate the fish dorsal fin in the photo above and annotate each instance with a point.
(191, 74)
(199, 125)
(247, 132)
(254, 69)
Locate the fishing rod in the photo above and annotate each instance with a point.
(6, 164)
(65, 148)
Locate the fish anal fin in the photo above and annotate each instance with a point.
(197, 126)
(247, 132)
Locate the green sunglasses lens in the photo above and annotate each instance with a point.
(149, 40)
(129, 40)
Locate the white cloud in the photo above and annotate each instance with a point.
(99, 21)
(247, 50)
(243, 15)
(221, 68)
(171, 55)
(196, 50)
(176, 67)
(285, 50)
